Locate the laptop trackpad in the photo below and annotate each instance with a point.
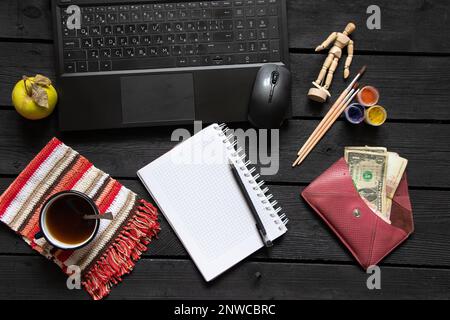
(157, 98)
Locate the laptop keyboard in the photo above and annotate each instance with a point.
(168, 35)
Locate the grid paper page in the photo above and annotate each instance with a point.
(196, 191)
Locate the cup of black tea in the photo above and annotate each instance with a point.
(62, 220)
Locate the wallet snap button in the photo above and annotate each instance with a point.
(356, 213)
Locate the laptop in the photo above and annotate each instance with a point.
(153, 63)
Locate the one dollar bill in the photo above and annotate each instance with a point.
(368, 171)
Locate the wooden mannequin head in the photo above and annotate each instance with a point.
(349, 28)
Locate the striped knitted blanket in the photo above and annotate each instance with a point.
(118, 244)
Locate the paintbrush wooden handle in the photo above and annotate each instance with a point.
(335, 105)
(324, 129)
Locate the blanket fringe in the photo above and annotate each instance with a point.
(120, 258)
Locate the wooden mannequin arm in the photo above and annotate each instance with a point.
(349, 59)
(331, 38)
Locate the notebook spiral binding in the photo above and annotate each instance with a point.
(240, 156)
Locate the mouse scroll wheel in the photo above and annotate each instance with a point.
(275, 76)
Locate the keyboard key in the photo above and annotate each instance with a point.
(263, 46)
(98, 42)
(142, 28)
(222, 13)
(148, 16)
(130, 28)
(94, 30)
(194, 61)
(133, 40)
(107, 30)
(220, 48)
(110, 41)
(160, 15)
(180, 37)
(240, 35)
(82, 66)
(105, 53)
(192, 37)
(123, 41)
(273, 28)
(262, 34)
(82, 32)
(152, 51)
(111, 17)
(183, 14)
(124, 17)
(265, 57)
(249, 12)
(117, 53)
(226, 25)
(190, 50)
(223, 36)
(262, 22)
(261, 11)
(105, 65)
(100, 18)
(86, 43)
(71, 43)
(205, 60)
(146, 40)
(155, 28)
(247, 58)
(252, 47)
(92, 54)
(69, 32)
(128, 52)
(177, 50)
(182, 62)
(144, 63)
(93, 66)
(75, 55)
(69, 67)
(157, 39)
(241, 47)
(239, 24)
(119, 29)
(164, 51)
(136, 16)
(251, 34)
(273, 10)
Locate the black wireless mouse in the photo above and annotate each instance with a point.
(270, 97)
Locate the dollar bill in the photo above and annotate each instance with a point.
(365, 148)
(368, 171)
(396, 166)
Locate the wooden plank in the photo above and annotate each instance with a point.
(19, 59)
(26, 19)
(308, 239)
(410, 87)
(122, 153)
(36, 278)
(406, 26)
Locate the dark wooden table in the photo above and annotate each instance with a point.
(408, 60)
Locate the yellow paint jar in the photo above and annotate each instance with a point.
(375, 115)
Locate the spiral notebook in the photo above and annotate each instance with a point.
(201, 199)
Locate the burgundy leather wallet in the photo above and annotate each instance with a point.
(368, 237)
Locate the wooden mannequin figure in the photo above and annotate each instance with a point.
(341, 40)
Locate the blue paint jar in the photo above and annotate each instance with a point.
(354, 113)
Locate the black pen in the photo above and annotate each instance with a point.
(259, 225)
